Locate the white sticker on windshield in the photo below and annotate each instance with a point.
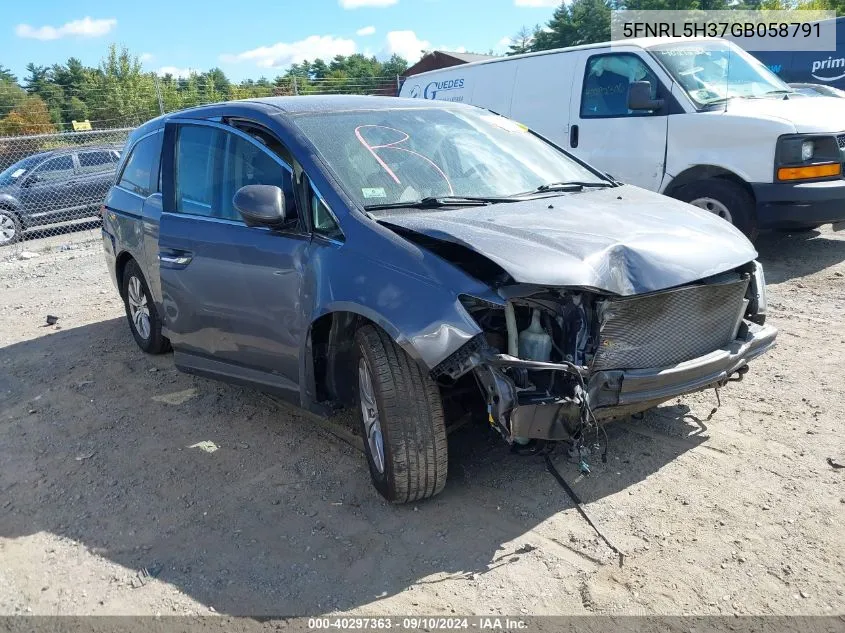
(374, 192)
(17, 173)
(505, 124)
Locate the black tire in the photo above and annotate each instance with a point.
(154, 342)
(7, 217)
(733, 196)
(411, 418)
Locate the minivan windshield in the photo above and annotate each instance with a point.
(15, 173)
(713, 71)
(390, 156)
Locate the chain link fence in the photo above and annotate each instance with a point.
(53, 180)
(52, 187)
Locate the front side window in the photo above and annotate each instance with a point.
(322, 219)
(137, 170)
(212, 164)
(55, 169)
(607, 79)
(711, 72)
(403, 155)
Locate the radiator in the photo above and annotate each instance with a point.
(666, 328)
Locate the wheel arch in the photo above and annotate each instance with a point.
(329, 354)
(704, 172)
(120, 263)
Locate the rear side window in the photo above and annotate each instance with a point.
(136, 175)
(96, 161)
(212, 164)
(606, 82)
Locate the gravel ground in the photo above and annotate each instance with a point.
(110, 505)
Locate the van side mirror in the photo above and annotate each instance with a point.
(261, 205)
(639, 97)
(32, 180)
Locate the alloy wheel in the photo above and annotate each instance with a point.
(370, 415)
(139, 311)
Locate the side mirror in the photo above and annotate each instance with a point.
(261, 205)
(32, 180)
(639, 97)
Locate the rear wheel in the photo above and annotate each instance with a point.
(725, 198)
(10, 227)
(144, 320)
(401, 417)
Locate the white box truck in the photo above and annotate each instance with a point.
(698, 119)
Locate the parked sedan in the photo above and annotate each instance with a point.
(417, 260)
(55, 186)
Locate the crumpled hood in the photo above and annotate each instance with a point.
(807, 114)
(623, 240)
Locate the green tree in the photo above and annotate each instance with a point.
(579, 22)
(126, 95)
(522, 41)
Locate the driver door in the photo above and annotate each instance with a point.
(49, 191)
(231, 293)
(629, 145)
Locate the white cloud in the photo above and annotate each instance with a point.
(357, 4)
(536, 4)
(86, 27)
(283, 54)
(146, 57)
(179, 73)
(505, 42)
(367, 30)
(406, 44)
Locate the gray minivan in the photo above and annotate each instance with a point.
(419, 262)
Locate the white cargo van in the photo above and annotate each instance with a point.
(697, 119)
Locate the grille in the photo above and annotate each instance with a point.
(667, 328)
(841, 141)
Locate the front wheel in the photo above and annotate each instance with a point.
(401, 418)
(10, 227)
(725, 198)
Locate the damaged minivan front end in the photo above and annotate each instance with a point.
(626, 321)
(553, 361)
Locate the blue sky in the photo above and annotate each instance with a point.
(251, 38)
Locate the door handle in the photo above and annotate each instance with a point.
(573, 136)
(177, 260)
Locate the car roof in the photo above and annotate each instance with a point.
(61, 151)
(304, 104)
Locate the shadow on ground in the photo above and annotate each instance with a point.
(789, 255)
(96, 445)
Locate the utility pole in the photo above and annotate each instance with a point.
(158, 94)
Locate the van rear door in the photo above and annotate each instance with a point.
(629, 145)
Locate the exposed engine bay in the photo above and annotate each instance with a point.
(554, 363)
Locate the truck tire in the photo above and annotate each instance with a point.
(401, 417)
(724, 198)
(144, 320)
(10, 227)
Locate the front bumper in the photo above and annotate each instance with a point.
(620, 393)
(792, 205)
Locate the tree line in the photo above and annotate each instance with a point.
(120, 93)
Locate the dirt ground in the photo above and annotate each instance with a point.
(108, 506)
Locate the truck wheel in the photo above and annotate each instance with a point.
(144, 321)
(726, 199)
(401, 417)
(10, 227)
